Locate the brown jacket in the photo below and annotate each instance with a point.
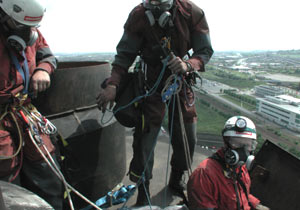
(190, 32)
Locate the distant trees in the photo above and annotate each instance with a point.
(240, 97)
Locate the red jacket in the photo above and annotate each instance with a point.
(38, 56)
(209, 188)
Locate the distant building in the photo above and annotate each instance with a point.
(266, 90)
(282, 109)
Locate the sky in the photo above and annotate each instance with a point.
(71, 26)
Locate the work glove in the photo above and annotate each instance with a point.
(261, 207)
(178, 66)
(106, 96)
(39, 82)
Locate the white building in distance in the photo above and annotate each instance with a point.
(267, 90)
(282, 109)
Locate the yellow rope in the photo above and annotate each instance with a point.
(19, 133)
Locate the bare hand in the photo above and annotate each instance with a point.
(106, 96)
(177, 66)
(40, 81)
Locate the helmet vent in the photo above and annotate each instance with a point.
(17, 9)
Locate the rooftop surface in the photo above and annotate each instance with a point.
(160, 194)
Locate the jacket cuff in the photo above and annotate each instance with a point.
(116, 75)
(45, 67)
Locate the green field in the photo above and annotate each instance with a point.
(233, 79)
(209, 121)
(240, 103)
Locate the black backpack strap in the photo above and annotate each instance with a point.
(245, 190)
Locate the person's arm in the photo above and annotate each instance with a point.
(201, 44)
(45, 65)
(200, 190)
(127, 50)
(256, 203)
(45, 60)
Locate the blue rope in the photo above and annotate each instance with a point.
(169, 148)
(142, 178)
(149, 93)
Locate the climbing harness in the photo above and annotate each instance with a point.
(147, 94)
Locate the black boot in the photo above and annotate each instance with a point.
(176, 183)
(142, 196)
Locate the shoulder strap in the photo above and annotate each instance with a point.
(23, 71)
(245, 190)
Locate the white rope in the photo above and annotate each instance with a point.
(58, 173)
(171, 80)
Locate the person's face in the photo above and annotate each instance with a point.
(241, 142)
(158, 5)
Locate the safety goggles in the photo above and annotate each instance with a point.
(240, 142)
(162, 5)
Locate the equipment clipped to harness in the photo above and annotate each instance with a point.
(114, 197)
(171, 88)
(126, 110)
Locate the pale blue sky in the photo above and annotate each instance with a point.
(244, 25)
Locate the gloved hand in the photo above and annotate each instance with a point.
(177, 65)
(39, 82)
(261, 207)
(106, 96)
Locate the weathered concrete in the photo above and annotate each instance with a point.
(160, 195)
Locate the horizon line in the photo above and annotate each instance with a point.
(217, 51)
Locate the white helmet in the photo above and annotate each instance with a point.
(239, 126)
(26, 12)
